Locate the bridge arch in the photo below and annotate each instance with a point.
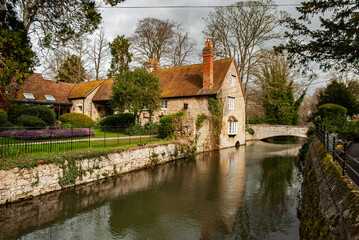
(263, 131)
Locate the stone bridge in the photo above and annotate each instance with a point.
(262, 131)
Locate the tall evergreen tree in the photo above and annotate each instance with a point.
(72, 70)
(16, 57)
(121, 57)
(340, 94)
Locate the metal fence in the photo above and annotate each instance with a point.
(15, 141)
(338, 149)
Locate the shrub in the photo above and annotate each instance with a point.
(256, 121)
(3, 116)
(332, 114)
(31, 121)
(151, 128)
(77, 120)
(311, 130)
(42, 112)
(166, 127)
(250, 131)
(123, 120)
(136, 129)
(15, 112)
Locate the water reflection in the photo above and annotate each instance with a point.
(245, 193)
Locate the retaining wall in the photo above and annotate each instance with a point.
(18, 184)
(330, 203)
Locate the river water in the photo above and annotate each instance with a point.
(246, 193)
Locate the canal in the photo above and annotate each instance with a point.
(246, 193)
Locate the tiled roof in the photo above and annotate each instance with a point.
(187, 80)
(39, 87)
(81, 90)
(104, 91)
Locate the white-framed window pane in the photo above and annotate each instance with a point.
(233, 82)
(29, 96)
(230, 103)
(50, 98)
(164, 104)
(232, 128)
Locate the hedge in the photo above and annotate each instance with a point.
(31, 121)
(332, 114)
(3, 116)
(15, 112)
(42, 112)
(167, 127)
(77, 120)
(122, 120)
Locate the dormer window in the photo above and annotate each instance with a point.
(29, 96)
(233, 82)
(50, 98)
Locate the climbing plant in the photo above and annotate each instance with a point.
(216, 109)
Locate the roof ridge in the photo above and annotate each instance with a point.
(197, 64)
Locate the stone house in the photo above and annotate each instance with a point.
(188, 89)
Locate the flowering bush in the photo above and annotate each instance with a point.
(47, 133)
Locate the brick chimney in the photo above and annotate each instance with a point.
(149, 65)
(156, 65)
(208, 52)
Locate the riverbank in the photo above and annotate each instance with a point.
(330, 203)
(23, 183)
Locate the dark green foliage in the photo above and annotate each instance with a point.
(121, 120)
(311, 131)
(334, 44)
(250, 131)
(200, 120)
(332, 114)
(151, 128)
(3, 116)
(15, 112)
(42, 112)
(167, 127)
(215, 107)
(72, 70)
(16, 58)
(31, 122)
(77, 120)
(256, 121)
(134, 90)
(121, 57)
(340, 94)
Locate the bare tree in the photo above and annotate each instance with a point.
(241, 31)
(152, 38)
(98, 54)
(181, 48)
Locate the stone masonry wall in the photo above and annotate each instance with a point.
(330, 203)
(17, 184)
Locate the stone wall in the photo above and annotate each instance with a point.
(330, 203)
(17, 184)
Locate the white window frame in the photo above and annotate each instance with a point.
(50, 98)
(28, 95)
(164, 104)
(231, 103)
(233, 81)
(232, 128)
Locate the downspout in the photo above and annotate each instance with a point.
(83, 106)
